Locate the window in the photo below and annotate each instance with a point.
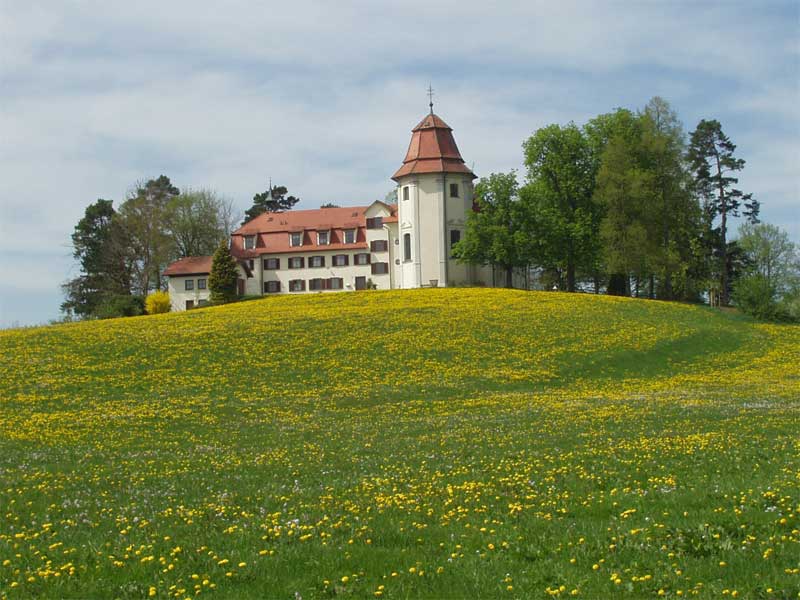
(316, 285)
(297, 285)
(323, 238)
(455, 237)
(201, 284)
(405, 192)
(379, 246)
(349, 236)
(380, 268)
(374, 222)
(249, 242)
(316, 261)
(272, 287)
(272, 264)
(407, 246)
(454, 190)
(340, 260)
(296, 262)
(335, 283)
(188, 284)
(296, 239)
(361, 259)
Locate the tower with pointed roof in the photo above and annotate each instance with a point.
(434, 196)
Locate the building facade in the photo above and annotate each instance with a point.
(380, 246)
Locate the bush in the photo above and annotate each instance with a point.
(157, 303)
(119, 306)
(754, 295)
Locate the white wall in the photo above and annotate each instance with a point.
(178, 295)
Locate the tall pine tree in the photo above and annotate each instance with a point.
(101, 245)
(273, 200)
(712, 162)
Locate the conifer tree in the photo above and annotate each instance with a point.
(712, 161)
(273, 200)
(223, 276)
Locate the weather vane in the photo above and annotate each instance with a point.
(430, 97)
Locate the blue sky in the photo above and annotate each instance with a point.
(321, 97)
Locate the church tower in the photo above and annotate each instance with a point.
(434, 196)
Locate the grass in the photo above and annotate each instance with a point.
(431, 443)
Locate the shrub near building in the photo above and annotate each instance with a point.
(156, 303)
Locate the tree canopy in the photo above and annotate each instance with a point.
(275, 199)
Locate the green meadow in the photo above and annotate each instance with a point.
(451, 443)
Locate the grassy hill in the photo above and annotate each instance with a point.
(430, 443)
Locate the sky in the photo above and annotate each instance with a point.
(322, 97)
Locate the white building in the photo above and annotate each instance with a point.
(382, 246)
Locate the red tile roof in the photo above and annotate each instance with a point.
(272, 231)
(432, 150)
(191, 265)
(298, 220)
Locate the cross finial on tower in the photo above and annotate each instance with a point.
(430, 97)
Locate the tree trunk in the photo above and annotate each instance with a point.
(724, 234)
(652, 286)
(509, 277)
(570, 276)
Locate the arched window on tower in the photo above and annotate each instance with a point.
(407, 247)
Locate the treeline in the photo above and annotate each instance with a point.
(626, 204)
(123, 252)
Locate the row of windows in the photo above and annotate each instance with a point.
(296, 238)
(315, 262)
(319, 283)
(454, 191)
(299, 285)
(188, 284)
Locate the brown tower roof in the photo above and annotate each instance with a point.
(432, 150)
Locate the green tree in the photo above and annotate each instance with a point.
(769, 285)
(101, 245)
(272, 200)
(493, 233)
(712, 162)
(197, 220)
(624, 189)
(561, 170)
(223, 276)
(329, 205)
(771, 254)
(145, 215)
(674, 213)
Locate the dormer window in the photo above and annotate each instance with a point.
(249, 242)
(296, 239)
(349, 236)
(323, 238)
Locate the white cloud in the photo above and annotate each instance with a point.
(322, 96)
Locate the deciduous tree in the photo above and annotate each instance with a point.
(145, 215)
(494, 233)
(561, 171)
